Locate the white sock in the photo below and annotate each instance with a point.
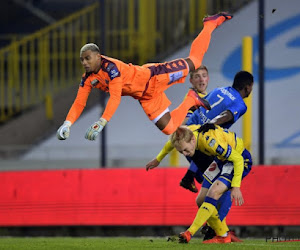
(224, 235)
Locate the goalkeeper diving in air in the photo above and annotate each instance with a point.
(145, 83)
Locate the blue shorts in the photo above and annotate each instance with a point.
(223, 171)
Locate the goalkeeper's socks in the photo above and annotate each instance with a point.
(200, 45)
(178, 115)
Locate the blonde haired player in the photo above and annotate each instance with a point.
(231, 164)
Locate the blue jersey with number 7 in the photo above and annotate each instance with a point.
(220, 99)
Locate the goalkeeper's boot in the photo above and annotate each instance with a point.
(218, 19)
(185, 237)
(233, 237)
(208, 232)
(218, 240)
(200, 102)
(189, 184)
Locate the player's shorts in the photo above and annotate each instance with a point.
(163, 75)
(199, 163)
(223, 171)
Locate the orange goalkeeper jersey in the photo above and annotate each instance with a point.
(122, 79)
(115, 77)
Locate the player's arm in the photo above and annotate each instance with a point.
(224, 117)
(168, 147)
(75, 111)
(238, 166)
(115, 92)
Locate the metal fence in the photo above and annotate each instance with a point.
(36, 67)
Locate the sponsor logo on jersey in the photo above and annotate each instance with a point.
(112, 71)
(220, 150)
(203, 117)
(212, 166)
(95, 82)
(212, 143)
(226, 92)
(175, 76)
(229, 149)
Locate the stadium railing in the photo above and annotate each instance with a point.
(38, 66)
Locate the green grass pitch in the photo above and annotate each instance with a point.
(45, 243)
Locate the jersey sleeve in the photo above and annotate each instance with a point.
(237, 108)
(115, 92)
(79, 103)
(194, 118)
(238, 166)
(165, 151)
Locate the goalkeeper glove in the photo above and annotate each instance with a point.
(94, 130)
(64, 131)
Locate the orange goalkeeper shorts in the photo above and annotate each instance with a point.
(163, 75)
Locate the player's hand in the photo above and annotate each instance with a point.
(94, 130)
(205, 127)
(152, 164)
(236, 194)
(63, 132)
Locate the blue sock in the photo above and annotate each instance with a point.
(193, 167)
(224, 205)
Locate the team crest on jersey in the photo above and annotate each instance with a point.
(113, 71)
(95, 82)
(220, 150)
(212, 143)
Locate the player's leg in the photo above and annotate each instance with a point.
(158, 112)
(223, 207)
(201, 196)
(201, 42)
(207, 209)
(199, 163)
(226, 199)
(221, 230)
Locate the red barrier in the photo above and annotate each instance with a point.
(137, 197)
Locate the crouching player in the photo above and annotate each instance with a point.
(232, 163)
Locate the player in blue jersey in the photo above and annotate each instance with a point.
(227, 106)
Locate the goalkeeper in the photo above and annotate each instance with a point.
(145, 83)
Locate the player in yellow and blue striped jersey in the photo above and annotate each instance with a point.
(232, 163)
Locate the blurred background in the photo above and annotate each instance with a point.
(39, 76)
